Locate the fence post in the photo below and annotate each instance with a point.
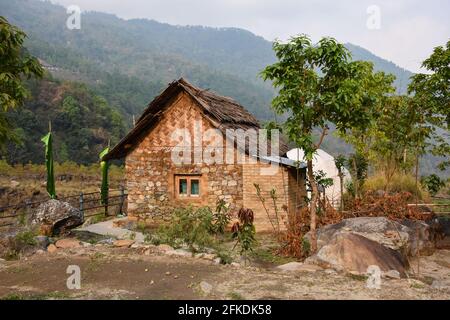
(122, 198)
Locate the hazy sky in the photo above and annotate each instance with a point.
(408, 29)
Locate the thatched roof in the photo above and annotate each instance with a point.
(224, 113)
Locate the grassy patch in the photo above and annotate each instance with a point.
(267, 255)
(357, 277)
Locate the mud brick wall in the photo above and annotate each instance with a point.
(150, 171)
(288, 193)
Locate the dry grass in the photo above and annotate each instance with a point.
(398, 183)
(28, 182)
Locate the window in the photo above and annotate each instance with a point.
(195, 187)
(183, 191)
(187, 186)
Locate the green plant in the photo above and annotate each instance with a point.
(433, 183)
(221, 217)
(306, 246)
(188, 226)
(320, 84)
(244, 231)
(26, 238)
(225, 257)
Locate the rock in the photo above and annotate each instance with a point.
(438, 285)
(330, 271)
(217, 261)
(108, 241)
(51, 248)
(235, 264)
(290, 266)
(42, 241)
(354, 253)
(165, 247)
(40, 251)
(421, 237)
(205, 287)
(442, 226)
(391, 274)
(409, 236)
(57, 217)
(86, 244)
(179, 252)
(123, 243)
(208, 256)
(298, 267)
(68, 243)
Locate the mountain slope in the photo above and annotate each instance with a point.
(128, 62)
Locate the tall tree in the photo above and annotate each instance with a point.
(318, 84)
(15, 64)
(432, 103)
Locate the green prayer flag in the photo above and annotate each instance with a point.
(105, 185)
(47, 140)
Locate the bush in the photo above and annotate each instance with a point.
(433, 183)
(188, 226)
(19, 244)
(244, 231)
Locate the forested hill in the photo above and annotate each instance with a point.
(127, 62)
(225, 60)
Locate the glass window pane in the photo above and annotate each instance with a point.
(183, 186)
(195, 187)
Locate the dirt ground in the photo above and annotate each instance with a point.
(118, 273)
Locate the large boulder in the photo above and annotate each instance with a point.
(354, 253)
(409, 237)
(442, 226)
(56, 217)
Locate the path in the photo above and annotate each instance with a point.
(107, 228)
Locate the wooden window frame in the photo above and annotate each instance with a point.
(188, 178)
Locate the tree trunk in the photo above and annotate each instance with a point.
(313, 206)
(341, 183)
(417, 177)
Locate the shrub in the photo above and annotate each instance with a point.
(433, 184)
(221, 217)
(188, 226)
(244, 231)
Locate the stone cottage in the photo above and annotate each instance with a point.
(193, 147)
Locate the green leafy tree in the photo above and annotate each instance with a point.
(433, 183)
(432, 104)
(319, 84)
(15, 64)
